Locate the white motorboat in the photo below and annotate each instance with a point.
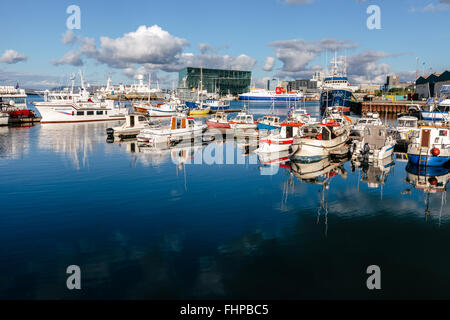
(134, 124)
(370, 119)
(181, 128)
(376, 144)
(406, 127)
(243, 120)
(82, 107)
(316, 142)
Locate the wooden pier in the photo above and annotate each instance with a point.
(389, 107)
(15, 121)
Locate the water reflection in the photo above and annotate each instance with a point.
(14, 142)
(166, 227)
(75, 141)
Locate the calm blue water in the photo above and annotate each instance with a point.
(145, 224)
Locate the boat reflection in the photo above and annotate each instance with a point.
(374, 174)
(320, 173)
(76, 141)
(431, 180)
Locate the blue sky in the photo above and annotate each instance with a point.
(296, 35)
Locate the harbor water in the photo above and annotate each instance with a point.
(152, 224)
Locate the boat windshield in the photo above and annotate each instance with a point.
(407, 123)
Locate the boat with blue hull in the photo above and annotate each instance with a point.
(431, 145)
(213, 104)
(341, 99)
(278, 95)
(269, 123)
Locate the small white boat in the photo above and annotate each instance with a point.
(218, 120)
(316, 142)
(407, 126)
(370, 119)
(181, 128)
(376, 144)
(243, 120)
(134, 124)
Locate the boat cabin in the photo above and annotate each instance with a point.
(243, 118)
(178, 122)
(407, 122)
(274, 120)
(375, 137)
(134, 119)
(319, 132)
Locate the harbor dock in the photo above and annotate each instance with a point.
(24, 120)
(388, 107)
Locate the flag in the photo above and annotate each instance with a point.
(17, 85)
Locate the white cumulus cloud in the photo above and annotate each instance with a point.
(268, 65)
(12, 56)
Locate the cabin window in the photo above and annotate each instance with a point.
(141, 118)
(99, 113)
(90, 113)
(191, 123)
(178, 123)
(80, 113)
(443, 133)
(106, 112)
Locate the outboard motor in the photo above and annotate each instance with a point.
(365, 151)
(110, 131)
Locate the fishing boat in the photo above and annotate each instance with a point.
(337, 91)
(181, 128)
(133, 125)
(269, 123)
(376, 144)
(369, 119)
(67, 107)
(406, 126)
(341, 99)
(431, 147)
(317, 141)
(218, 120)
(283, 139)
(201, 110)
(213, 104)
(243, 120)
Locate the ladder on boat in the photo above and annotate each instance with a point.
(423, 161)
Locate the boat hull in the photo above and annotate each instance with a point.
(219, 125)
(69, 114)
(430, 160)
(271, 98)
(264, 126)
(312, 150)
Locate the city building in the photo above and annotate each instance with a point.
(302, 85)
(215, 80)
(431, 85)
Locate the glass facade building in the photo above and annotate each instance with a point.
(216, 80)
